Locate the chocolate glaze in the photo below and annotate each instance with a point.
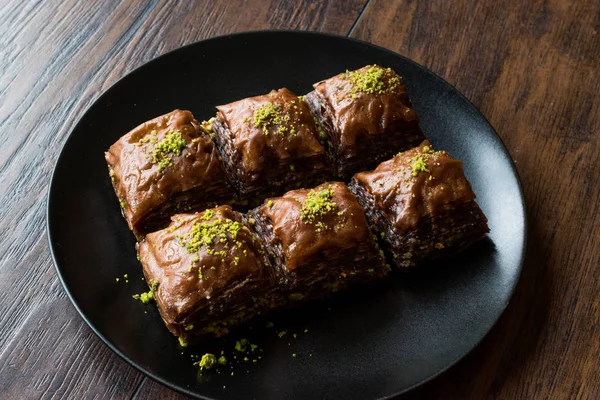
(257, 154)
(184, 298)
(137, 180)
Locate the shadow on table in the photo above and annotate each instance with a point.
(511, 343)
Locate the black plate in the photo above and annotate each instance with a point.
(364, 344)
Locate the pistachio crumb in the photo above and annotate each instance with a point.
(418, 165)
(317, 204)
(207, 361)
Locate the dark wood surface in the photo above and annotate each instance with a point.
(531, 67)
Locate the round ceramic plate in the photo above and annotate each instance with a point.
(364, 344)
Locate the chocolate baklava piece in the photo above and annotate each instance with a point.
(421, 205)
(318, 240)
(367, 117)
(269, 144)
(166, 165)
(208, 272)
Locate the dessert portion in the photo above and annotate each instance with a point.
(164, 166)
(318, 241)
(269, 144)
(207, 272)
(421, 205)
(367, 117)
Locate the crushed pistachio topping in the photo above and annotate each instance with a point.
(418, 164)
(269, 324)
(373, 79)
(222, 360)
(182, 342)
(208, 125)
(189, 327)
(208, 233)
(320, 130)
(240, 345)
(162, 151)
(173, 143)
(317, 204)
(207, 361)
(270, 115)
(147, 296)
(122, 203)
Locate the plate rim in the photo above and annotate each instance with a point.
(180, 389)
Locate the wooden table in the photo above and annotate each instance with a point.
(532, 67)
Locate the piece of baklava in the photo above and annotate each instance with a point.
(269, 144)
(318, 241)
(164, 166)
(208, 272)
(421, 205)
(367, 117)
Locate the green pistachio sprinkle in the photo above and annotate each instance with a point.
(182, 342)
(270, 203)
(122, 203)
(317, 204)
(222, 360)
(418, 164)
(253, 347)
(208, 125)
(147, 296)
(374, 79)
(173, 143)
(240, 345)
(271, 115)
(269, 324)
(189, 327)
(292, 168)
(320, 130)
(207, 233)
(207, 361)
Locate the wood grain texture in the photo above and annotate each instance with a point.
(56, 58)
(57, 356)
(531, 67)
